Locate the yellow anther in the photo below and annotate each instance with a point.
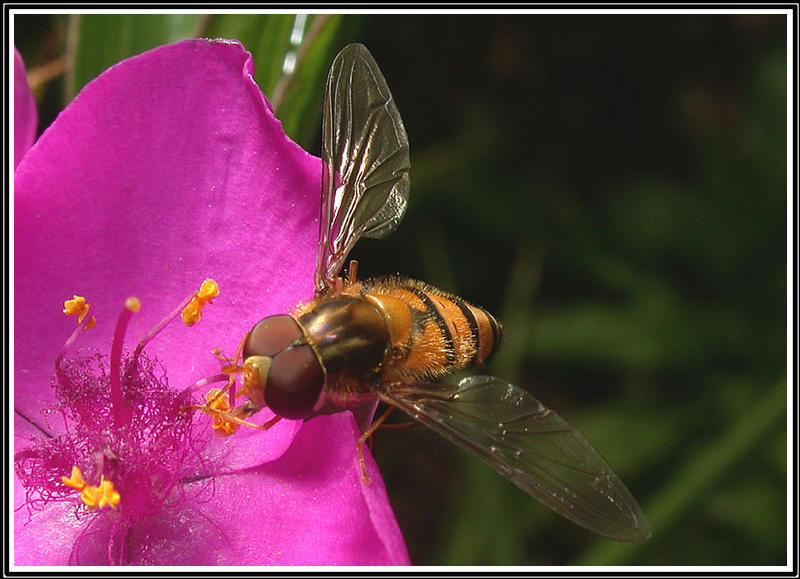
(133, 304)
(77, 306)
(75, 481)
(225, 427)
(190, 314)
(100, 496)
(216, 402)
(93, 496)
(221, 405)
(109, 495)
(207, 292)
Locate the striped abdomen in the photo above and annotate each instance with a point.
(431, 332)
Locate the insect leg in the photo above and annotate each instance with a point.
(352, 271)
(234, 368)
(364, 437)
(400, 426)
(230, 416)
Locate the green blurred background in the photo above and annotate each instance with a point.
(613, 187)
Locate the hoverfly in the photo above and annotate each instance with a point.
(360, 342)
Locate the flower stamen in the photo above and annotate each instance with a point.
(219, 407)
(193, 310)
(93, 497)
(75, 480)
(121, 415)
(77, 306)
(205, 289)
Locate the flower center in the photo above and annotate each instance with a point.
(126, 432)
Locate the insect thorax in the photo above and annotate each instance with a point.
(350, 338)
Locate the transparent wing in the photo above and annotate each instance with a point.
(530, 445)
(365, 172)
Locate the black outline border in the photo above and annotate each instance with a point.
(422, 571)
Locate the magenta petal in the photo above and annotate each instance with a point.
(25, 116)
(250, 447)
(324, 513)
(167, 169)
(43, 537)
(310, 507)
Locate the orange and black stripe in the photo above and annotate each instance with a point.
(430, 331)
(470, 334)
(433, 313)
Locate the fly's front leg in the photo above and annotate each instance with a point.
(226, 418)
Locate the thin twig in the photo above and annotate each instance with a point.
(73, 29)
(41, 75)
(202, 25)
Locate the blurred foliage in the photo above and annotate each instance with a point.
(614, 187)
(120, 38)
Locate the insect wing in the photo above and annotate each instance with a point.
(530, 445)
(365, 173)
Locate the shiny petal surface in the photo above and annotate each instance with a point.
(167, 169)
(25, 115)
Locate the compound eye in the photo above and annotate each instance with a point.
(272, 335)
(294, 383)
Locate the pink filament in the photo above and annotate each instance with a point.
(161, 325)
(82, 327)
(209, 380)
(121, 415)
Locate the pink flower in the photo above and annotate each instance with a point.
(25, 118)
(168, 169)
